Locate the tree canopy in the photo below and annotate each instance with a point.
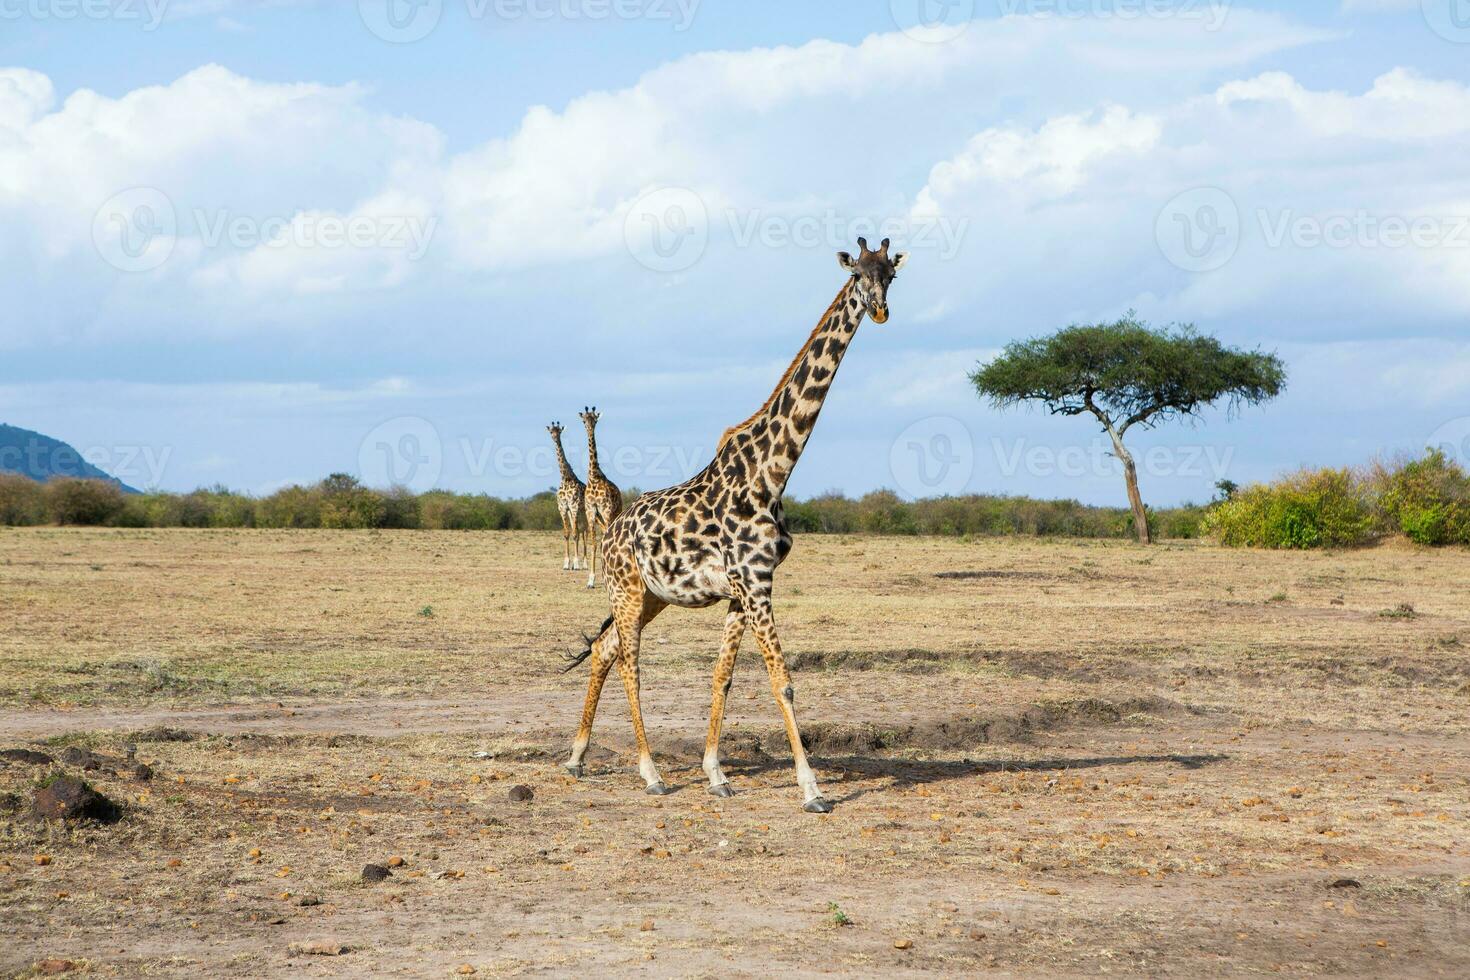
(1128, 373)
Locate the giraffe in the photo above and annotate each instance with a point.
(571, 504)
(604, 499)
(720, 536)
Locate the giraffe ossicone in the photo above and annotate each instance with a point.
(721, 535)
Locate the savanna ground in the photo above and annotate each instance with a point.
(1050, 757)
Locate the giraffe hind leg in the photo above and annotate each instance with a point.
(719, 785)
(604, 652)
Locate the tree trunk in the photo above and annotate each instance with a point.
(1135, 499)
(1130, 471)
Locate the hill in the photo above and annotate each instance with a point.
(41, 457)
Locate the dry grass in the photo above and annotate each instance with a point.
(1073, 757)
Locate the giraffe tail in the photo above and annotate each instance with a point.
(573, 659)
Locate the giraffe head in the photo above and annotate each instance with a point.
(590, 417)
(872, 271)
(556, 429)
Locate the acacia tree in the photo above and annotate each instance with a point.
(1126, 374)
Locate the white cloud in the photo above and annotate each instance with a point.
(1351, 209)
(1047, 163)
(766, 132)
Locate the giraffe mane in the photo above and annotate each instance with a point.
(735, 430)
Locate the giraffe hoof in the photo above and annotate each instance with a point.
(723, 791)
(819, 805)
(578, 770)
(658, 789)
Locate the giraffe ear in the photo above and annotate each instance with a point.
(847, 262)
(899, 259)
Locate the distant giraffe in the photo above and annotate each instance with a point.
(720, 536)
(604, 499)
(571, 504)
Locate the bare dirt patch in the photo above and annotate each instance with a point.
(1106, 759)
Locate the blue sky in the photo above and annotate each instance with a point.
(253, 242)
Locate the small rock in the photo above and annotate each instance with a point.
(647, 926)
(903, 944)
(1346, 883)
(52, 967)
(374, 873)
(465, 970)
(68, 798)
(308, 901)
(141, 772)
(395, 861)
(522, 794)
(27, 756)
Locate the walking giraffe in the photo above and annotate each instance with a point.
(571, 504)
(720, 536)
(604, 499)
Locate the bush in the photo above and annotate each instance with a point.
(447, 511)
(401, 509)
(347, 504)
(292, 506)
(22, 500)
(539, 513)
(86, 502)
(1311, 509)
(1181, 522)
(1428, 499)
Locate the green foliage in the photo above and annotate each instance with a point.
(462, 512)
(293, 506)
(85, 502)
(1130, 371)
(539, 513)
(401, 510)
(1427, 499)
(1311, 509)
(348, 505)
(22, 500)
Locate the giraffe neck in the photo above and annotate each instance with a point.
(567, 476)
(593, 470)
(762, 451)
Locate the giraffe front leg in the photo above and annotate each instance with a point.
(764, 625)
(592, 530)
(719, 785)
(566, 534)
